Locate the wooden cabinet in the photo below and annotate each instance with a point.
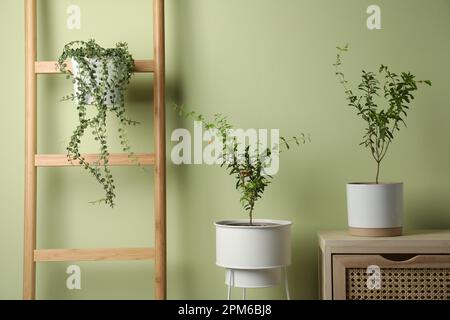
(413, 266)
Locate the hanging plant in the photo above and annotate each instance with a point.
(100, 77)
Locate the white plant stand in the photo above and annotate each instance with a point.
(254, 256)
(230, 281)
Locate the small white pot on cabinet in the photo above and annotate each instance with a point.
(375, 209)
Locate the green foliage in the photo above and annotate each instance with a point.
(104, 75)
(397, 91)
(246, 167)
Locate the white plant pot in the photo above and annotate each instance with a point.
(111, 95)
(256, 253)
(375, 209)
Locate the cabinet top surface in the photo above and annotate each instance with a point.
(412, 238)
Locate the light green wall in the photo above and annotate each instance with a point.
(265, 64)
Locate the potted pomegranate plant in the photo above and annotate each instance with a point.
(255, 250)
(376, 208)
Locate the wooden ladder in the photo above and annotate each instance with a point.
(33, 160)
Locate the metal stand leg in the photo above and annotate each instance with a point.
(230, 282)
(243, 294)
(286, 284)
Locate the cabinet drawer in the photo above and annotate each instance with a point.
(392, 277)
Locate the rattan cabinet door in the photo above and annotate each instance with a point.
(380, 277)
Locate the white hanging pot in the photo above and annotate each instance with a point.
(375, 209)
(111, 96)
(255, 253)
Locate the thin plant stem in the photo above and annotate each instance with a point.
(378, 171)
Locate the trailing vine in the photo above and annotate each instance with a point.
(101, 78)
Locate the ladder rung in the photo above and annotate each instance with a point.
(93, 254)
(115, 159)
(49, 67)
